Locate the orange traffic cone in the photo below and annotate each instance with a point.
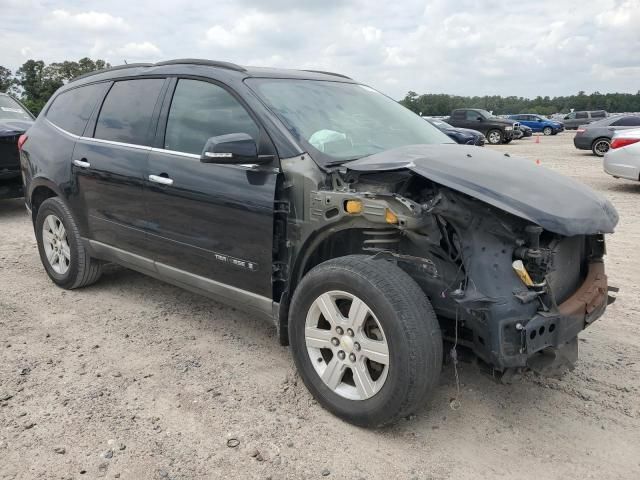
(538, 161)
(537, 138)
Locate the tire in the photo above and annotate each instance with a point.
(495, 137)
(600, 146)
(408, 329)
(547, 131)
(67, 262)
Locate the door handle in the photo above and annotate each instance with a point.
(81, 163)
(161, 180)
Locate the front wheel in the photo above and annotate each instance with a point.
(547, 131)
(494, 137)
(365, 340)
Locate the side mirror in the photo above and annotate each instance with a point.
(234, 148)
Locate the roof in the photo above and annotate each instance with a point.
(194, 65)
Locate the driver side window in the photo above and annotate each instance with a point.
(472, 116)
(201, 110)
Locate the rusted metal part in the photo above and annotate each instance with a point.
(591, 295)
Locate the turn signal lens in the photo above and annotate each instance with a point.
(21, 140)
(353, 206)
(518, 266)
(390, 217)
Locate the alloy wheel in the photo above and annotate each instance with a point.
(346, 345)
(494, 138)
(601, 147)
(56, 244)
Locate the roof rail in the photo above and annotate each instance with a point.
(329, 73)
(199, 61)
(111, 69)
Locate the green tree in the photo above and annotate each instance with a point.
(6, 79)
(36, 82)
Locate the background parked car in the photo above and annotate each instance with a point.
(622, 160)
(464, 136)
(538, 123)
(596, 136)
(15, 119)
(522, 131)
(574, 119)
(497, 130)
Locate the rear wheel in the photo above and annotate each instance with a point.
(600, 146)
(62, 253)
(494, 137)
(547, 130)
(365, 339)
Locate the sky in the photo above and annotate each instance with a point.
(466, 47)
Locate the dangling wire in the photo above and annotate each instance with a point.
(454, 403)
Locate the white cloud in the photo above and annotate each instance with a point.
(473, 47)
(89, 21)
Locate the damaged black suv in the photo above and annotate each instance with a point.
(367, 236)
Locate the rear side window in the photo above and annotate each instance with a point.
(459, 114)
(627, 122)
(200, 110)
(127, 110)
(598, 114)
(581, 115)
(71, 109)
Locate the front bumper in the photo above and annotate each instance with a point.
(552, 330)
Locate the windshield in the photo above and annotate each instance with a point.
(12, 110)
(337, 121)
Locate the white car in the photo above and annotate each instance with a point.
(623, 158)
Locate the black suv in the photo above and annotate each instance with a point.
(365, 234)
(497, 130)
(15, 119)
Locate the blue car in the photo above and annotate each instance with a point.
(538, 123)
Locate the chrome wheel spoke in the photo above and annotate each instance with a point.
(358, 313)
(56, 246)
(375, 350)
(364, 383)
(318, 338)
(51, 222)
(66, 251)
(327, 306)
(47, 236)
(333, 373)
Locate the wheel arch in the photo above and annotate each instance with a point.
(332, 242)
(40, 190)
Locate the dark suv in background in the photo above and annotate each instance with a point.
(364, 233)
(15, 119)
(496, 130)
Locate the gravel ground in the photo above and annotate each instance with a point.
(135, 379)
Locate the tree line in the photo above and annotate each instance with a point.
(35, 81)
(442, 104)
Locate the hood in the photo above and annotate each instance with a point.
(515, 185)
(9, 128)
(502, 121)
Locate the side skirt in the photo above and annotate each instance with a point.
(237, 297)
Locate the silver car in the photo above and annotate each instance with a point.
(623, 158)
(597, 135)
(574, 119)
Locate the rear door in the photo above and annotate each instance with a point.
(209, 224)
(110, 163)
(625, 123)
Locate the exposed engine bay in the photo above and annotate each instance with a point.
(508, 287)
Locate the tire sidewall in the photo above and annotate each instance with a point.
(49, 207)
(547, 131)
(500, 137)
(394, 389)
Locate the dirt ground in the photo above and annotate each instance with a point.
(135, 379)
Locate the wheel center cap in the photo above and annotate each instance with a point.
(346, 342)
